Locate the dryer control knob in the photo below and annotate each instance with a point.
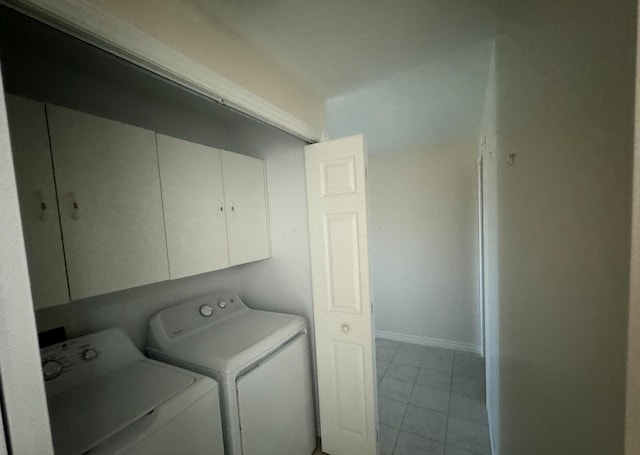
(51, 369)
(222, 304)
(89, 354)
(206, 310)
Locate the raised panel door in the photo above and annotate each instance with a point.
(336, 195)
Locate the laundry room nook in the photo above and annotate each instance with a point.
(252, 227)
(139, 195)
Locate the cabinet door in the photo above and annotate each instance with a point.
(38, 204)
(193, 200)
(110, 204)
(246, 207)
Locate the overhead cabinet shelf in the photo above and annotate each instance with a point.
(109, 206)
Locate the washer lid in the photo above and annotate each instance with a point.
(229, 344)
(86, 415)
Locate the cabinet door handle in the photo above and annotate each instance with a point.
(44, 213)
(76, 207)
(233, 209)
(221, 209)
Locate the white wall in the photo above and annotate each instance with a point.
(433, 102)
(565, 90)
(190, 29)
(424, 243)
(421, 127)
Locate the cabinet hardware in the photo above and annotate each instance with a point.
(44, 214)
(76, 207)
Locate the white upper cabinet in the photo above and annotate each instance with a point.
(246, 208)
(215, 207)
(38, 204)
(193, 199)
(110, 204)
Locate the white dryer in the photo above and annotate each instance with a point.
(262, 362)
(105, 397)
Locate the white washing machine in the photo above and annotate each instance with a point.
(262, 362)
(105, 397)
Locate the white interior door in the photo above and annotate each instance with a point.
(336, 192)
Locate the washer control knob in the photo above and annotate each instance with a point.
(89, 354)
(51, 369)
(222, 304)
(206, 310)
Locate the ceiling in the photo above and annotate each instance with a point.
(333, 46)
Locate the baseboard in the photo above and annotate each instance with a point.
(427, 341)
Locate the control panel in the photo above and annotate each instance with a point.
(70, 363)
(192, 315)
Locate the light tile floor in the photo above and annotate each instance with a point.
(431, 401)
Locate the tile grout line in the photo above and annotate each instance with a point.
(395, 443)
(381, 378)
(405, 411)
(446, 427)
(407, 408)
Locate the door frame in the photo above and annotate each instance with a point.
(481, 253)
(26, 418)
(632, 421)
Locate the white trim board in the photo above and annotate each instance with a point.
(87, 22)
(427, 341)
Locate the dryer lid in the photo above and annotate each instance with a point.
(84, 416)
